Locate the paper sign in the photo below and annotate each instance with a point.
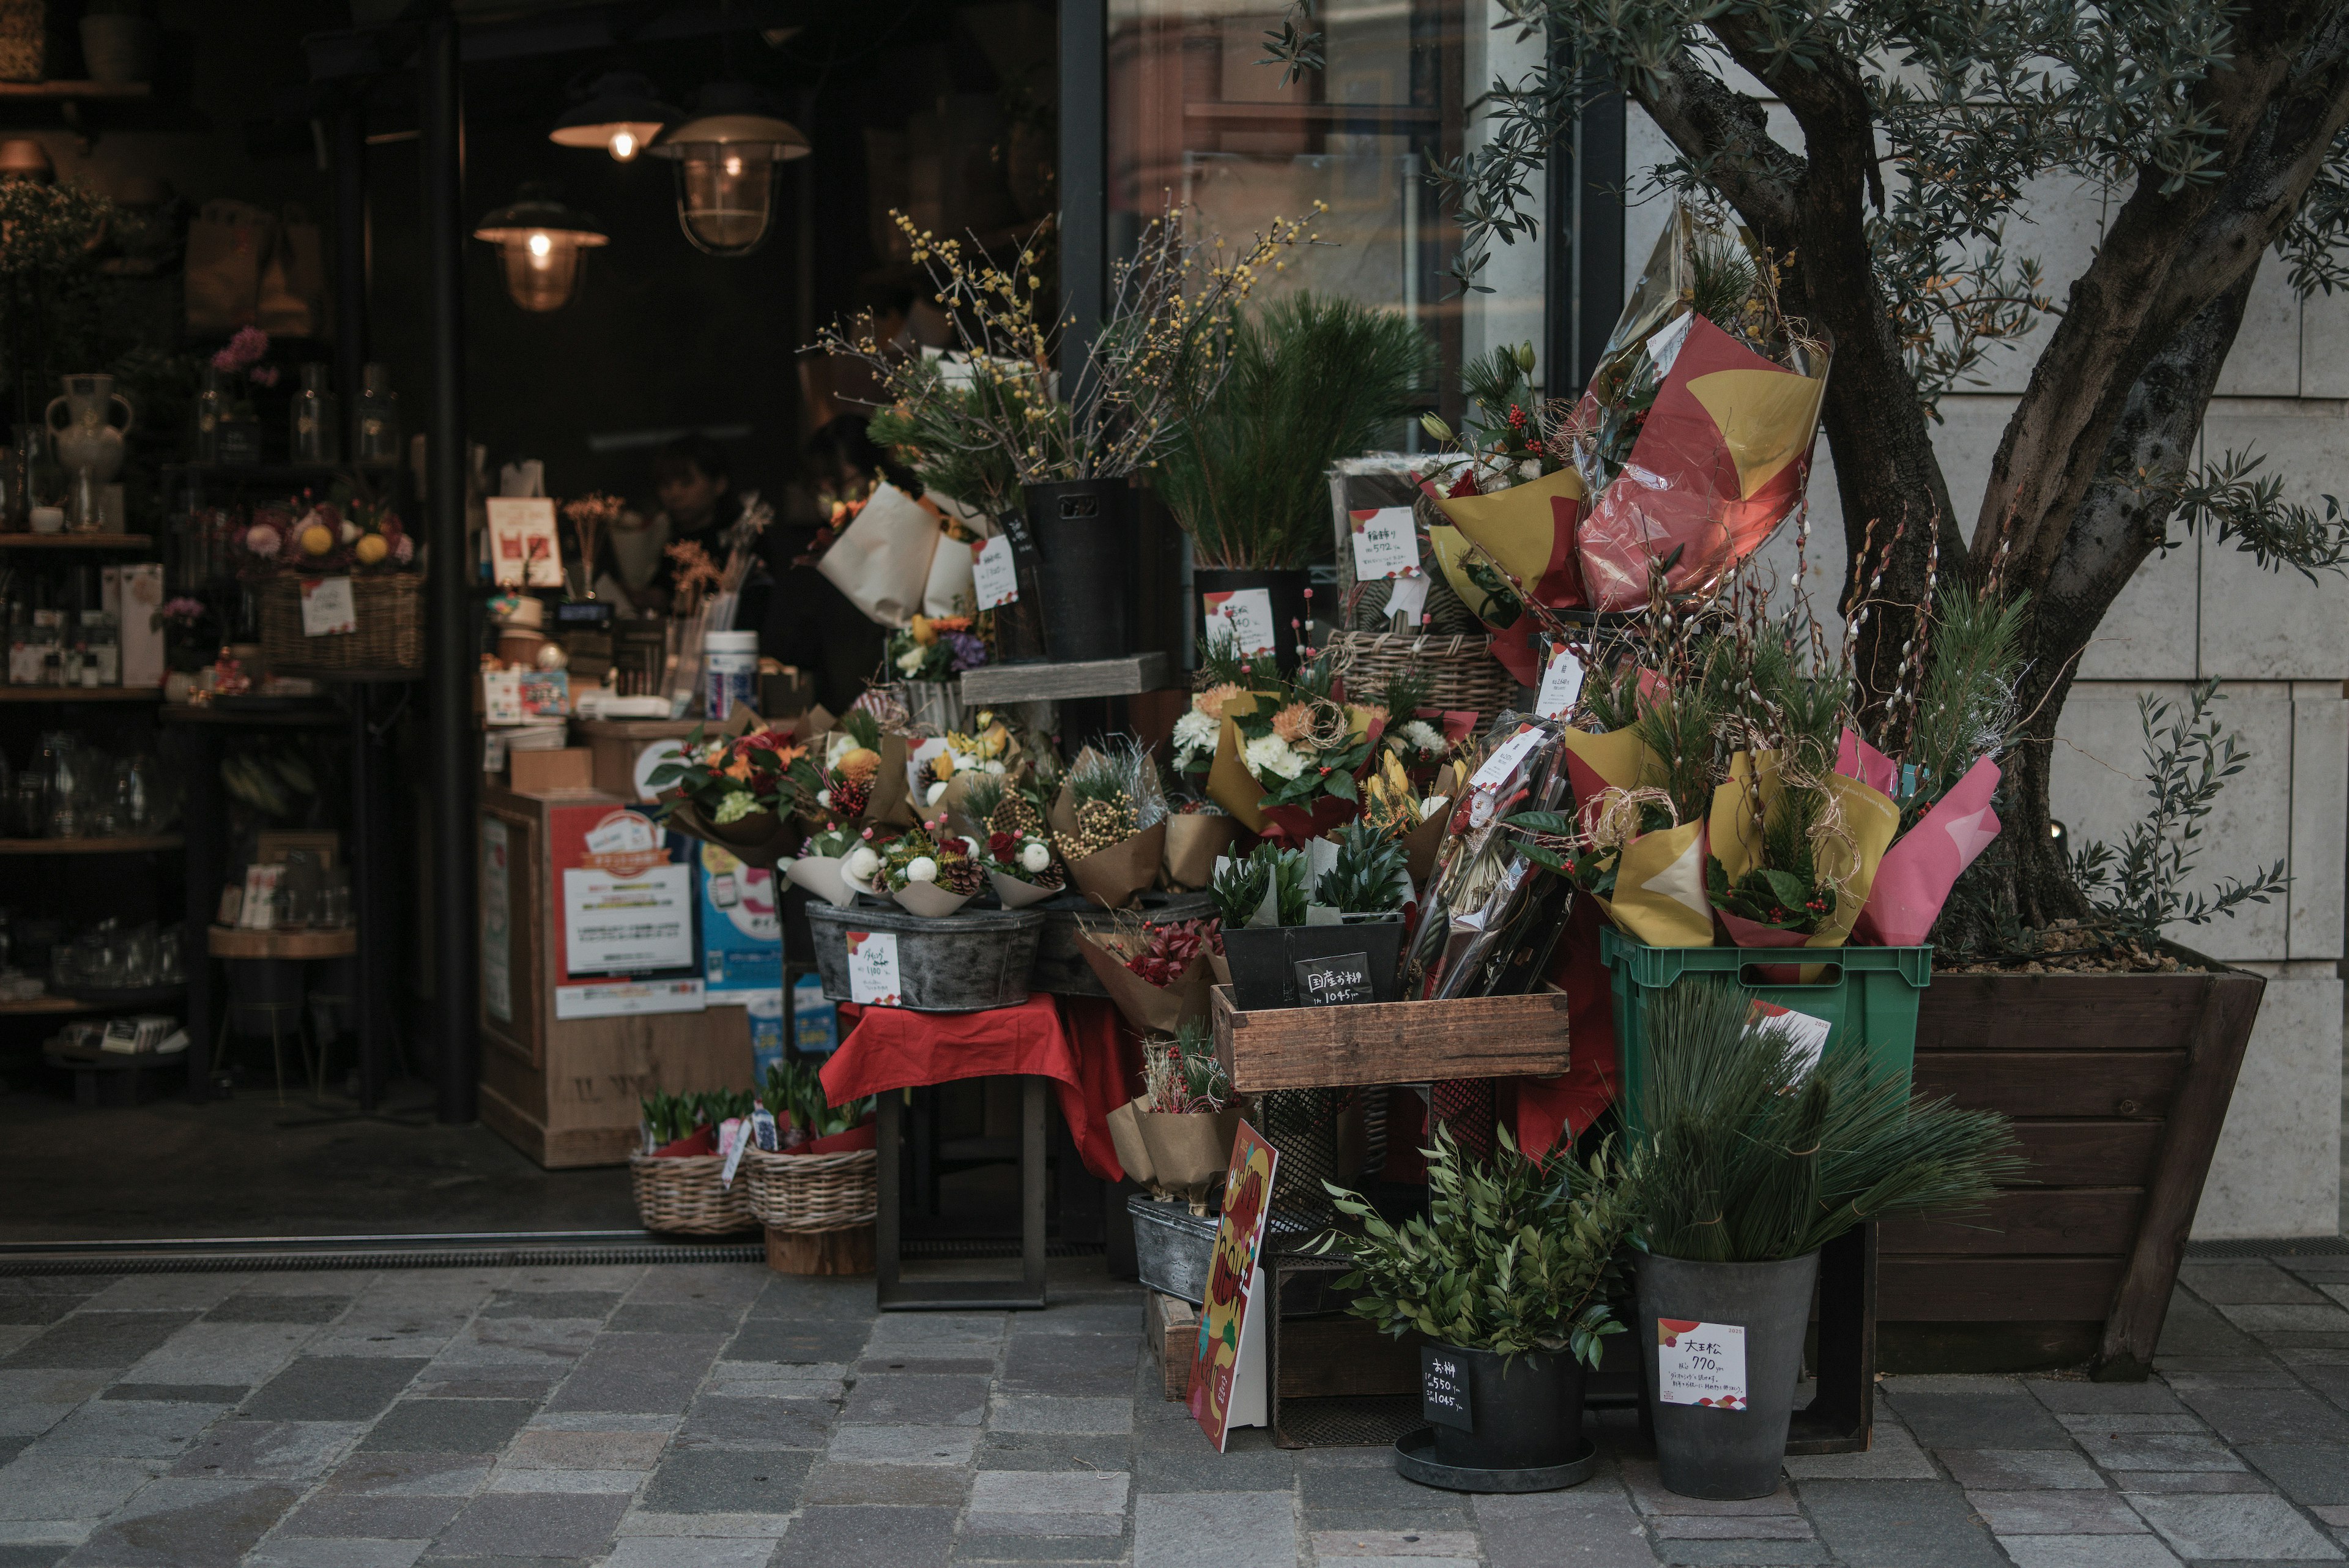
(523, 549)
(326, 606)
(1506, 758)
(502, 696)
(1220, 1396)
(1245, 615)
(1330, 982)
(994, 576)
(1701, 1363)
(497, 922)
(1561, 683)
(1443, 1389)
(873, 968)
(1386, 544)
(1408, 598)
(627, 998)
(620, 924)
(1808, 1033)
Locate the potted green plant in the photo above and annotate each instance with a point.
(1310, 380)
(1277, 915)
(1509, 1275)
(1756, 1152)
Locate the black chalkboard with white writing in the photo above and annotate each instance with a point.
(1326, 981)
(1443, 1388)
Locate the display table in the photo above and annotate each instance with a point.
(1073, 1042)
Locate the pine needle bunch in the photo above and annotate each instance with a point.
(1754, 1154)
(1221, 663)
(1311, 379)
(1511, 1257)
(1370, 875)
(983, 797)
(925, 429)
(1181, 1076)
(1137, 769)
(1406, 694)
(1966, 700)
(1681, 726)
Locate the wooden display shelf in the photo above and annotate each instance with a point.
(53, 1006)
(75, 91)
(233, 942)
(81, 694)
(147, 844)
(77, 541)
(1372, 1042)
(1126, 677)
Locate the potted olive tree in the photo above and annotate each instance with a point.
(1509, 1275)
(1754, 1156)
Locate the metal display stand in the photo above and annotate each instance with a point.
(1841, 1417)
(892, 1291)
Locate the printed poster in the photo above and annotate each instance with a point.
(625, 936)
(524, 552)
(1701, 1363)
(1228, 1369)
(497, 922)
(741, 924)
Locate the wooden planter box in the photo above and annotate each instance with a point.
(1368, 1043)
(2118, 1084)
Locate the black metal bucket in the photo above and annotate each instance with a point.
(954, 963)
(1084, 537)
(1264, 959)
(1704, 1450)
(1523, 1412)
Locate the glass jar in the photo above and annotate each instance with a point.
(315, 435)
(379, 418)
(212, 407)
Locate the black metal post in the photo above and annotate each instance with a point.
(369, 832)
(452, 775)
(1598, 233)
(207, 867)
(1084, 182)
(350, 263)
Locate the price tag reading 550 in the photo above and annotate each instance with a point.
(1701, 1363)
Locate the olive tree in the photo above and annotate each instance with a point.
(2218, 131)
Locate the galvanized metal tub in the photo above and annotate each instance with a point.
(956, 963)
(1173, 1248)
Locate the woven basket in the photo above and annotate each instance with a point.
(390, 611)
(1461, 671)
(24, 40)
(679, 1194)
(813, 1191)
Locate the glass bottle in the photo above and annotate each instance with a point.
(378, 417)
(316, 423)
(212, 407)
(85, 502)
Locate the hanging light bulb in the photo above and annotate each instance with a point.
(621, 114)
(542, 244)
(726, 159)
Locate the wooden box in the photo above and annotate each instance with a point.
(565, 1093)
(1391, 1042)
(617, 745)
(1170, 1327)
(568, 771)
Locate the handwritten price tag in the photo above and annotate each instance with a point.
(1246, 614)
(873, 968)
(1386, 545)
(1701, 1363)
(995, 578)
(326, 606)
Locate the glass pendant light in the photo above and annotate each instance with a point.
(542, 243)
(726, 159)
(622, 114)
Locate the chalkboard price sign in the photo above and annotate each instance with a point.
(1443, 1389)
(1326, 981)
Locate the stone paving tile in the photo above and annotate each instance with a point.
(187, 1524)
(2158, 1451)
(1897, 1524)
(1048, 1502)
(2244, 1284)
(32, 1488)
(2015, 1469)
(2309, 1474)
(907, 1399)
(730, 1422)
(594, 1304)
(2270, 1416)
(222, 1394)
(842, 1482)
(1739, 1553)
(127, 1431)
(2007, 1419)
(903, 1444)
(571, 1524)
(773, 1340)
(552, 1343)
(269, 1450)
(1589, 1526)
(1651, 1497)
(1358, 1488)
(411, 1475)
(642, 1553)
(851, 1534)
(1251, 1464)
(163, 1292)
(1892, 1454)
(2164, 1482)
(2193, 1328)
(448, 1426)
(542, 1449)
(446, 1382)
(1049, 1413)
(676, 1317)
(1214, 1530)
(343, 1514)
(326, 1553)
(720, 1481)
(646, 1373)
(2235, 1528)
(246, 1353)
(1731, 1527)
(262, 1307)
(2069, 1396)
(98, 1339)
(2089, 1552)
(623, 1483)
(2056, 1513)
(2330, 1318)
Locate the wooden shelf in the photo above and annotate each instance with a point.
(232, 943)
(81, 694)
(77, 541)
(1126, 677)
(148, 843)
(53, 1006)
(75, 91)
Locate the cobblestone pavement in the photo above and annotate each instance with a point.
(674, 1416)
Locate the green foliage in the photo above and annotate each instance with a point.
(1370, 875)
(2241, 506)
(2137, 889)
(673, 1117)
(1752, 1154)
(1965, 705)
(1511, 1257)
(1240, 887)
(796, 1090)
(1311, 379)
(928, 427)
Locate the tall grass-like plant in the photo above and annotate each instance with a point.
(1511, 1256)
(1754, 1154)
(1311, 379)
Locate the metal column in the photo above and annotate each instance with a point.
(452, 775)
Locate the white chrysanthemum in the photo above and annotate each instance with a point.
(1194, 736)
(993, 765)
(863, 861)
(836, 745)
(1034, 857)
(1271, 754)
(1422, 736)
(932, 795)
(910, 661)
(921, 868)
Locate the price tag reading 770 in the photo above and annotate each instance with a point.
(1701, 1363)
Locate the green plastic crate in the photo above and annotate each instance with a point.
(1868, 997)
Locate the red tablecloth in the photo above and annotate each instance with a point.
(1078, 1041)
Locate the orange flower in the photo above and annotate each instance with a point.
(1293, 723)
(1211, 701)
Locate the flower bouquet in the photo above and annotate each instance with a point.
(818, 867)
(738, 788)
(1158, 974)
(1175, 1137)
(859, 773)
(1198, 833)
(930, 871)
(1109, 821)
(1396, 808)
(1020, 865)
(943, 769)
(1290, 750)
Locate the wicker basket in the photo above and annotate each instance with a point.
(679, 1194)
(24, 40)
(1461, 671)
(813, 1191)
(390, 611)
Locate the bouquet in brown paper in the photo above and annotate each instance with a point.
(1198, 833)
(737, 786)
(1109, 821)
(1291, 751)
(1397, 808)
(944, 769)
(1021, 866)
(1175, 1137)
(1158, 973)
(859, 771)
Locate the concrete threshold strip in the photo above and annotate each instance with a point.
(2267, 1247)
(456, 1250)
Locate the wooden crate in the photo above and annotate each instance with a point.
(1391, 1042)
(1170, 1326)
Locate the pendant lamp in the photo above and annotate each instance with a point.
(726, 158)
(542, 243)
(622, 114)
